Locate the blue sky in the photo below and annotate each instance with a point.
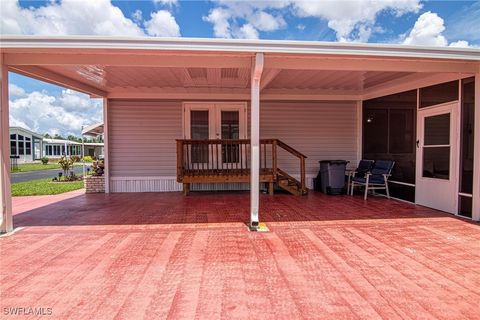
(412, 22)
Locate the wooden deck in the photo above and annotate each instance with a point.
(166, 256)
(227, 160)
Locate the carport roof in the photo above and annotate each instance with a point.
(93, 130)
(186, 68)
(237, 45)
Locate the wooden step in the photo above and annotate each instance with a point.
(291, 185)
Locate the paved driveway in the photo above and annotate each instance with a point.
(163, 255)
(40, 174)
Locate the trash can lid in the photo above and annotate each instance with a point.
(334, 161)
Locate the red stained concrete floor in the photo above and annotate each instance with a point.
(163, 255)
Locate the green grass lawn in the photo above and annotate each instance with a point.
(24, 167)
(44, 187)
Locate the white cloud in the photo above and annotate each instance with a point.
(18, 123)
(73, 17)
(242, 19)
(427, 31)
(460, 44)
(221, 26)
(15, 91)
(358, 17)
(247, 31)
(137, 16)
(351, 20)
(162, 24)
(64, 113)
(266, 22)
(166, 2)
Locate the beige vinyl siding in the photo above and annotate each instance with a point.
(142, 148)
(320, 130)
(142, 137)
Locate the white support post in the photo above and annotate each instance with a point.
(6, 219)
(359, 131)
(106, 172)
(82, 153)
(476, 153)
(257, 70)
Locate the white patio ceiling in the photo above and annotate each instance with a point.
(194, 72)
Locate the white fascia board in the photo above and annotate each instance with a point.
(236, 45)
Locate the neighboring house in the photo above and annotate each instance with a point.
(174, 106)
(29, 146)
(25, 145)
(56, 148)
(94, 149)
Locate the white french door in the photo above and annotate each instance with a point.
(207, 121)
(437, 157)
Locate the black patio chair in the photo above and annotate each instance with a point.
(377, 178)
(364, 166)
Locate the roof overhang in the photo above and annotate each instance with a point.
(95, 65)
(236, 46)
(20, 129)
(93, 130)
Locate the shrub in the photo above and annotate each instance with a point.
(44, 160)
(87, 159)
(73, 177)
(75, 158)
(98, 167)
(66, 165)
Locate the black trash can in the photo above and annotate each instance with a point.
(332, 176)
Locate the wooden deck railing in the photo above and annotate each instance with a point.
(229, 161)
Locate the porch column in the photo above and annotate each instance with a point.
(359, 131)
(255, 139)
(106, 172)
(6, 221)
(476, 152)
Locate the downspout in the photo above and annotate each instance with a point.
(255, 140)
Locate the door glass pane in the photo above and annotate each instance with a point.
(199, 124)
(437, 130)
(465, 206)
(199, 131)
(436, 162)
(230, 126)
